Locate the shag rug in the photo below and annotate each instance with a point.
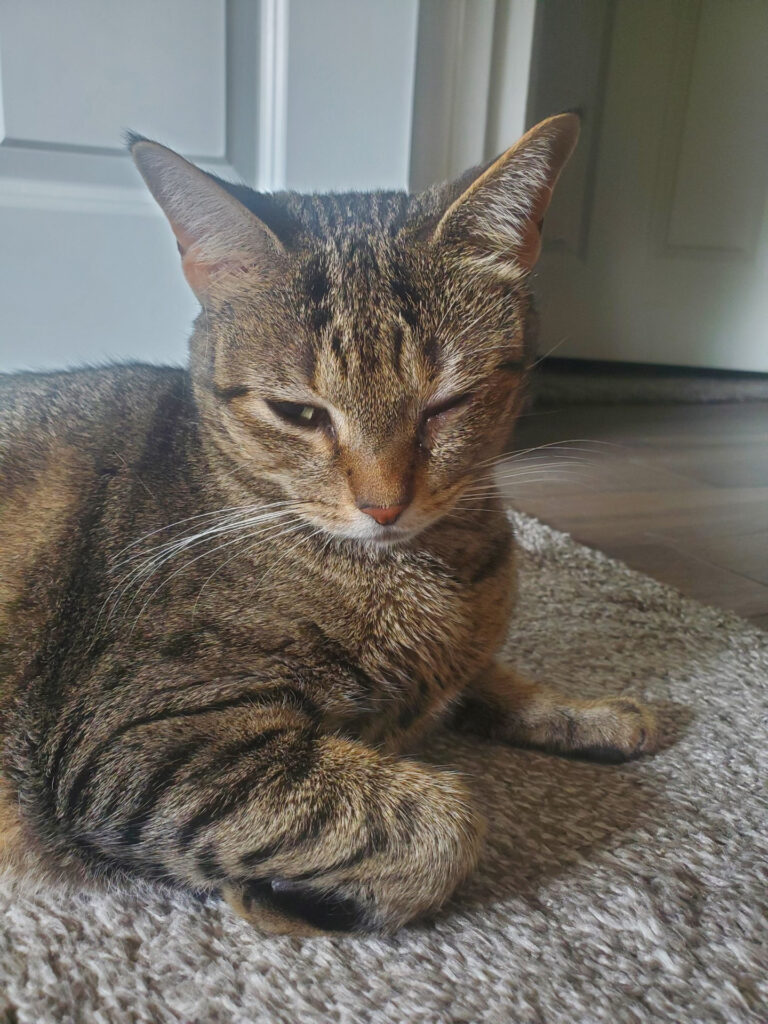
(617, 894)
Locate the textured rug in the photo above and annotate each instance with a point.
(629, 894)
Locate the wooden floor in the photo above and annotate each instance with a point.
(679, 492)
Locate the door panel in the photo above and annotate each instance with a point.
(92, 70)
(670, 258)
(88, 267)
(720, 165)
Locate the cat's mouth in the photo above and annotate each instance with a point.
(352, 525)
(364, 531)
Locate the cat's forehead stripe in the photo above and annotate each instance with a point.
(363, 306)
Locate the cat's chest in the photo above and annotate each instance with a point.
(389, 643)
(404, 615)
(415, 624)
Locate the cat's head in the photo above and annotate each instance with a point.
(365, 353)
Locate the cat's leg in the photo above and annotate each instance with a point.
(239, 790)
(503, 705)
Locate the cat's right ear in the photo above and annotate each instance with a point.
(495, 221)
(217, 236)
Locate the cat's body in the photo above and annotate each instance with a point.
(205, 675)
(412, 625)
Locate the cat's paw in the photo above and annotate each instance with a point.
(431, 846)
(285, 907)
(614, 730)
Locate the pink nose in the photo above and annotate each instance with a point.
(383, 516)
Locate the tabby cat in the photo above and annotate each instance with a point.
(232, 598)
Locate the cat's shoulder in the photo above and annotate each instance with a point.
(84, 394)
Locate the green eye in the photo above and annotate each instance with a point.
(299, 414)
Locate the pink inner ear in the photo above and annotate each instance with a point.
(200, 273)
(540, 204)
(530, 245)
(183, 238)
(529, 249)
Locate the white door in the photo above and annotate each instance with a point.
(279, 93)
(657, 242)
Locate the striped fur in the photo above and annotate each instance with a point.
(211, 664)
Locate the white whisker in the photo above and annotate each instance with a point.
(285, 554)
(197, 558)
(156, 558)
(246, 539)
(203, 515)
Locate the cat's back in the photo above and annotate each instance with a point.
(42, 412)
(61, 434)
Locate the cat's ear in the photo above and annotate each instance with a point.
(217, 236)
(497, 219)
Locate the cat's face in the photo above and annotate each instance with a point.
(365, 354)
(375, 376)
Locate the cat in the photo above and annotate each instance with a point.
(233, 599)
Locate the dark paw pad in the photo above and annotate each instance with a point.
(329, 912)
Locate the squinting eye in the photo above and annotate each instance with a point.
(447, 406)
(436, 415)
(298, 414)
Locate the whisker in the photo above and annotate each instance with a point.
(151, 565)
(156, 559)
(554, 460)
(549, 353)
(185, 541)
(192, 561)
(525, 482)
(499, 473)
(567, 445)
(236, 554)
(285, 554)
(203, 515)
(520, 472)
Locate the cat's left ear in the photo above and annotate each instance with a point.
(497, 220)
(217, 236)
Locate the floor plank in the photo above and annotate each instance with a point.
(678, 491)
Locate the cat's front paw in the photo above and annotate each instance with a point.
(614, 730)
(431, 844)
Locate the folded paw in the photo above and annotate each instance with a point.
(426, 842)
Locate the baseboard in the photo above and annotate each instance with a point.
(574, 381)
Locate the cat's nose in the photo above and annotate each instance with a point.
(385, 515)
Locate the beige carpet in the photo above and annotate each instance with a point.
(631, 894)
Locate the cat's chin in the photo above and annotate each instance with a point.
(388, 538)
(391, 540)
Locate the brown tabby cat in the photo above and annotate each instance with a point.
(230, 598)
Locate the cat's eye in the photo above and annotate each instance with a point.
(299, 414)
(441, 408)
(436, 415)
